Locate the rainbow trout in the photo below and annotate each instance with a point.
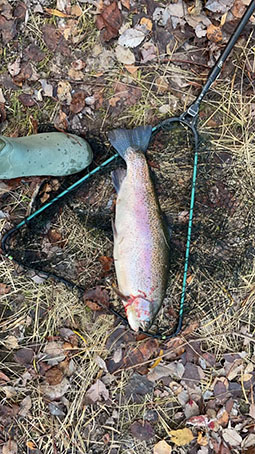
(141, 249)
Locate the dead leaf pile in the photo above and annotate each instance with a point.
(210, 408)
(54, 367)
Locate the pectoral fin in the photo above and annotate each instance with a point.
(118, 292)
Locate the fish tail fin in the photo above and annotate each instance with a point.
(122, 139)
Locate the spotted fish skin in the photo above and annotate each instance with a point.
(141, 249)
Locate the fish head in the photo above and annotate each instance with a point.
(139, 312)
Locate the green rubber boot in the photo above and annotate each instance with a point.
(53, 153)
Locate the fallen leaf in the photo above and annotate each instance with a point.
(119, 337)
(5, 187)
(6, 9)
(75, 75)
(55, 12)
(63, 5)
(10, 391)
(201, 440)
(246, 377)
(161, 84)
(193, 375)
(54, 376)
(128, 94)
(10, 447)
(252, 411)
(148, 52)
(190, 279)
(162, 447)
(2, 117)
(78, 101)
(14, 68)
(124, 55)
(99, 295)
(3, 215)
(24, 356)
(132, 69)
(93, 306)
(55, 238)
(25, 73)
(222, 417)
(54, 40)
(47, 88)
(219, 6)
(142, 430)
(27, 100)
(101, 363)
(3, 378)
(126, 3)
(38, 9)
(181, 437)
(190, 328)
(54, 392)
(8, 29)
(191, 409)
(174, 370)
(113, 101)
(20, 11)
(8, 411)
(109, 20)
(61, 121)
(106, 263)
(64, 92)
(2, 98)
(141, 353)
(146, 22)
(232, 437)
(31, 446)
(56, 408)
(97, 392)
(250, 450)
(238, 8)
(25, 406)
(78, 64)
(214, 33)
(138, 387)
(249, 441)
(131, 38)
(34, 53)
(54, 353)
(76, 10)
(4, 289)
(11, 342)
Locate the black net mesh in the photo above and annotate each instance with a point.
(71, 239)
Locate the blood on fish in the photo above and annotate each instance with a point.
(135, 300)
(143, 294)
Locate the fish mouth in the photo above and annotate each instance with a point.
(145, 326)
(139, 313)
(136, 324)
